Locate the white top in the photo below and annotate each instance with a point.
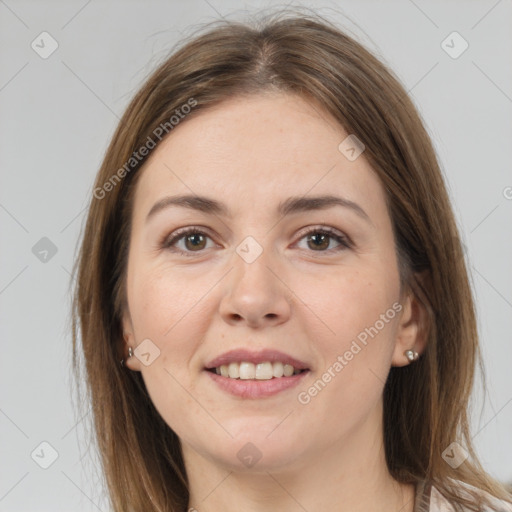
(429, 499)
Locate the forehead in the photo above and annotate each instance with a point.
(254, 151)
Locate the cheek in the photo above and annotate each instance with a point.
(162, 299)
(165, 308)
(353, 336)
(352, 314)
(347, 302)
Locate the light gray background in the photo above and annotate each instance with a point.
(58, 114)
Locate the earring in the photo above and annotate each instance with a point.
(130, 354)
(412, 355)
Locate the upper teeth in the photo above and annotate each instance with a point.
(260, 371)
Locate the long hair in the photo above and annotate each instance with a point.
(425, 404)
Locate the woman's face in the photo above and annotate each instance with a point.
(259, 273)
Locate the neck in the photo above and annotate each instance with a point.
(351, 475)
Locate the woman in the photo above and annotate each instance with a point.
(272, 300)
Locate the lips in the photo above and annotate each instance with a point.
(255, 389)
(256, 357)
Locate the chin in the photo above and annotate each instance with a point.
(257, 451)
(256, 458)
(267, 430)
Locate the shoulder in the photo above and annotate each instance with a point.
(438, 503)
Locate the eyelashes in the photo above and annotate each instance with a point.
(326, 234)
(180, 234)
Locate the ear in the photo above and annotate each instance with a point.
(132, 362)
(412, 330)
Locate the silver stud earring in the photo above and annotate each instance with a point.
(412, 355)
(130, 354)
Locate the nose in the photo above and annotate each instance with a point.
(256, 293)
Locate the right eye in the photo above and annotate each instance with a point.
(194, 241)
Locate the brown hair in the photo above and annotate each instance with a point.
(425, 404)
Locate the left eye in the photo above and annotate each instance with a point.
(321, 239)
(194, 240)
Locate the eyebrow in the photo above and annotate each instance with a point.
(288, 207)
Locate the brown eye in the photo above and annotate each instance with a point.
(319, 240)
(192, 240)
(195, 241)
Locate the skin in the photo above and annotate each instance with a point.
(251, 153)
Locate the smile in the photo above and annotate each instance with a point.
(261, 371)
(252, 387)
